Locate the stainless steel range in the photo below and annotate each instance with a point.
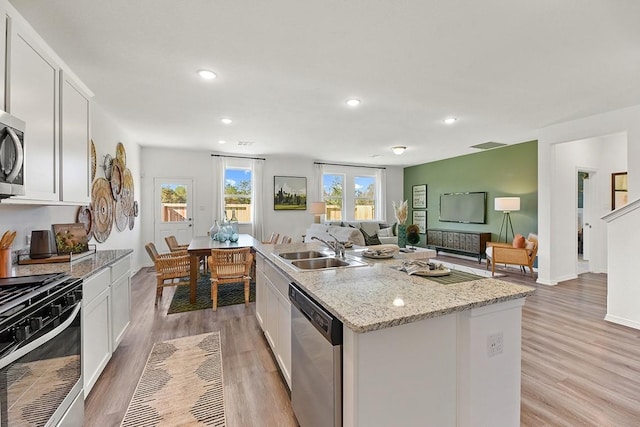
(40, 344)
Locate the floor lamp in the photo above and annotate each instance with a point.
(506, 205)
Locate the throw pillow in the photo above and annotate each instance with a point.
(528, 244)
(394, 228)
(370, 240)
(385, 232)
(518, 241)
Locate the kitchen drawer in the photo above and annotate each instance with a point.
(120, 268)
(95, 285)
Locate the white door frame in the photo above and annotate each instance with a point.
(590, 201)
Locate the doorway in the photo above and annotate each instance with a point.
(173, 210)
(585, 219)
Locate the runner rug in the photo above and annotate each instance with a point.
(181, 385)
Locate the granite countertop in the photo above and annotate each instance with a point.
(81, 268)
(363, 297)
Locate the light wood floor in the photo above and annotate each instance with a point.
(577, 369)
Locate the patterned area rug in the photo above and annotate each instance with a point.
(228, 294)
(181, 385)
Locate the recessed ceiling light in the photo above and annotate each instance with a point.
(222, 141)
(398, 149)
(449, 120)
(353, 102)
(226, 121)
(207, 74)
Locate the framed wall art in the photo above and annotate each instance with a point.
(419, 199)
(420, 219)
(289, 193)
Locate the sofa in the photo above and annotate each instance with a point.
(361, 233)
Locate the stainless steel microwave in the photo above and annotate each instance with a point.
(11, 156)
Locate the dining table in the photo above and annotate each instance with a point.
(200, 246)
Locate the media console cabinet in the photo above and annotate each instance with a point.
(462, 242)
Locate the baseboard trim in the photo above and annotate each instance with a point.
(622, 321)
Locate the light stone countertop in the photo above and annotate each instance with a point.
(81, 268)
(363, 297)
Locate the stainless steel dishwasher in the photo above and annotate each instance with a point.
(316, 362)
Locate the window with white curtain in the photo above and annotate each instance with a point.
(238, 193)
(353, 193)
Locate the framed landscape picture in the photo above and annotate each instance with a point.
(419, 199)
(289, 193)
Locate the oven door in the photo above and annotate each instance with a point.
(41, 380)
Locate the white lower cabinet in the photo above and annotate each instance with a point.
(96, 327)
(105, 317)
(273, 311)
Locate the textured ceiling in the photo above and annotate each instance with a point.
(504, 68)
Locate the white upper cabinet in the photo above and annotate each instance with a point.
(74, 141)
(3, 55)
(33, 97)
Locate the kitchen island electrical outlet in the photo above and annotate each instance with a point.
(495, 344)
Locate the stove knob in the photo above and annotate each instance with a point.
(22, 332)
(35, 323)
(70, 299)
(78, 295)
(56, 310)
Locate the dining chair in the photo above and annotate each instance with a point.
(285, 240)
(230, 266)
(172, 268)
(273, 239)
(173, 245)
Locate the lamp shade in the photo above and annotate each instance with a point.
(317, 208)
(507, 204)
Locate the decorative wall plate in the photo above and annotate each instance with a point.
(135, 208)
(102, 204)
(121, 219)
(106, 165)
(92, 151)
(116, 180)
(121, 154)
(126, 195)
(132, 220)
(86, 217)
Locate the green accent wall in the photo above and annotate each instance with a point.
(510, 171)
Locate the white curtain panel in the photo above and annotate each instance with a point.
(318, 171)
(381, 190)
(217, 176)
(258, 199)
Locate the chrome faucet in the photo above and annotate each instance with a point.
(336, 246)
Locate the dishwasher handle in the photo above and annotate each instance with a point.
(327, 324)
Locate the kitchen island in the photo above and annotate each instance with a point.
(415, 352)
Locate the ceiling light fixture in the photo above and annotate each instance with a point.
(207, 74)
(226, 121)
(222, 141)
(353, 102)
(450, 120)
(398, 149)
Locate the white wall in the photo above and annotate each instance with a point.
(605, 155)
(197, 165)
(553, 255)
(26, 218)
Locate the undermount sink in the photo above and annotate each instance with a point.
(318, 263)
(303, 255)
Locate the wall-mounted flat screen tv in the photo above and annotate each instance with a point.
(468, 208)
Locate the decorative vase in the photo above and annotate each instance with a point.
(213, 231)
(402, 235)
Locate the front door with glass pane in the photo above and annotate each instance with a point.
(173, 211)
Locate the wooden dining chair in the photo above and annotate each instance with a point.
(285, 240)
(172, 268)
(173, 245)
(273, 239)
(230, 266)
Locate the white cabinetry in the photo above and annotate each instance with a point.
(273, 311)
(120, 300)
(106, 314)
(96, 327)
(74, 141)
(32, 97)
(3, 56)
